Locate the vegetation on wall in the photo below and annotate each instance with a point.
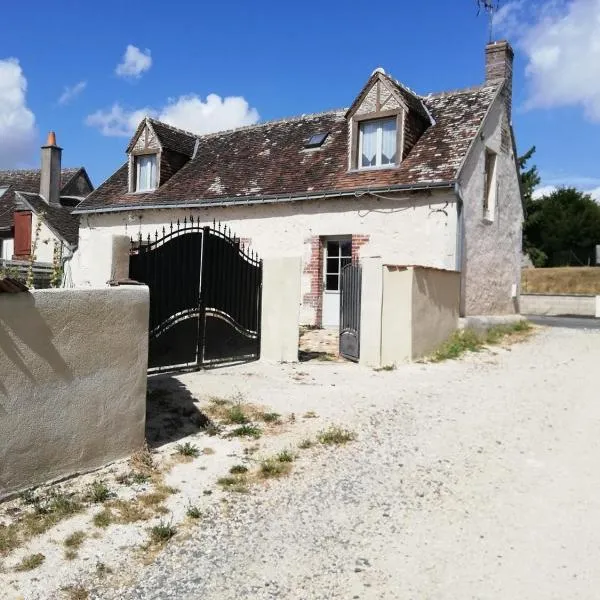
(561, 228)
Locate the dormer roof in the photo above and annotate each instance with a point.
(169, 137)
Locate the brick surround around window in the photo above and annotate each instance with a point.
(357, 242)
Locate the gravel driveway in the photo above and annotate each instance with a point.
(470, 479)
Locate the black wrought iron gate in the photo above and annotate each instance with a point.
(350, 287)
(205, 296)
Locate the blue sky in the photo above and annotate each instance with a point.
(266, 60)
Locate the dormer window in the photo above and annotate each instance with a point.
(146, 173)
(377, 143)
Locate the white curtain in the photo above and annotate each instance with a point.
(369, 144)
(388, 142)
(146, 172)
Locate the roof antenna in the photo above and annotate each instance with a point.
(491, 7)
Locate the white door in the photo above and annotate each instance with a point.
(338, 253)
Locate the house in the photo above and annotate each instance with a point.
(36, 207)
(415, 179)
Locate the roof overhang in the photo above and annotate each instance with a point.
(237, 201)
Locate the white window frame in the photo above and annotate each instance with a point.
(379, 143)
(136, 161)
(339, 257)
(490, 185)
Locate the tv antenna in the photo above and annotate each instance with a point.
(491, 7)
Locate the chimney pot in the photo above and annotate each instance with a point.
(51, 141)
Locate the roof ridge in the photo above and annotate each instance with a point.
(172, 127)
(457, 91)
(37, 170)
(276, 121)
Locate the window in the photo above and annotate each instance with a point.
(145, 173)
(377, 143)
(489, 186)
(338, 254)
(316, 140)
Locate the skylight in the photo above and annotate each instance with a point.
(316, 140)
(2, 190)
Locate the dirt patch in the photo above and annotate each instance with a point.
(561, 280)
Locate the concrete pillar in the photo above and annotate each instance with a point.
(100, 258)
(281, 299)
(370, 311)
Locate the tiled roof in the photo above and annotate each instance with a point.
(24, 180)
(269, 160)
(58, 218)
(170, 138)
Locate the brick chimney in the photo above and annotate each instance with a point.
(499, 66)
(51, 167)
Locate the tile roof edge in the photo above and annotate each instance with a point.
(458, 91)
(271, 199)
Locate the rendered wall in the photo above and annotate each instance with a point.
(559, 304)
(435, 308)
(72, 381)
(280, 320)
(491, 248)
(407, 230)
(396, 315)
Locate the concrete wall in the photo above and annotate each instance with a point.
(492, 248)
(280, 321)
(44, 251)
(435, 312)
(406, 230)
(412, 313)
(72, 381)
(559, 304)
(100, 257)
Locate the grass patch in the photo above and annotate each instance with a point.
(250, 431)
(561, 280)
(235, 415)
(188, 449)
(270, 417)
(99, 492)
(104, 518)
(193, 512)
(238, 470)
(385, 368)
(285, 456)
(162, 533)
(306, 444)
(9, 538)
(33, 561)
(70, 554)
(311, 414)
(75, 540)
(271, 468)
(469, 340)
(102, 570)
(228, 481)
(142, 462)
(335, 436)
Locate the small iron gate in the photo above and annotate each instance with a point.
(350, 286)
(205, 296)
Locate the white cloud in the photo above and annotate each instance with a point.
(186, 112)
(543, 190)
(134, 63)
(595, 194)
(17, 122)
(71, 92)
(561, 42)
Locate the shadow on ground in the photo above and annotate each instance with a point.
(171, 412)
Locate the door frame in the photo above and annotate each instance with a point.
(324, 240)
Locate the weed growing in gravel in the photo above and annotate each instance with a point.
(9, 538)
(238, 469)
(188, 449)
(102, 570)
(142, 461)
(75, 592)
(33, 561)
(271, 467)
(285, 456)
(104, 518)
(305, 444)
(75, 540)
(227, 481)
(99, 492)
(193, 512)
(251, 431)
(270, 417)
(311, 414)
(235, 416)
(213, 429)
(162, 533)
(335, 436)
(385, 368)
(207, 451)
(70, 554)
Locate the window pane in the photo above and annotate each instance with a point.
(332, 283)
(333, 264)
(369, 143)
(346, 248)
(146, 173)
(388, 142)
(333, 248)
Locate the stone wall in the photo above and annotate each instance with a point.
(559, 304)
(72, 381)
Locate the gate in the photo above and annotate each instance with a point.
(350, 287)
(205, 296)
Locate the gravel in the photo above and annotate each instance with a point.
(475, 478)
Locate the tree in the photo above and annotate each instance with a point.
(563, 228)
(530, 179)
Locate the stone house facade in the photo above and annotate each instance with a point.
(416, 180)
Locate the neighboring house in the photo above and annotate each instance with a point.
(417, 180)
(47, 197)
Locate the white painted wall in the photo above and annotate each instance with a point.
(492, 250)
(44, 251)
(408, 230)
(8, 248)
